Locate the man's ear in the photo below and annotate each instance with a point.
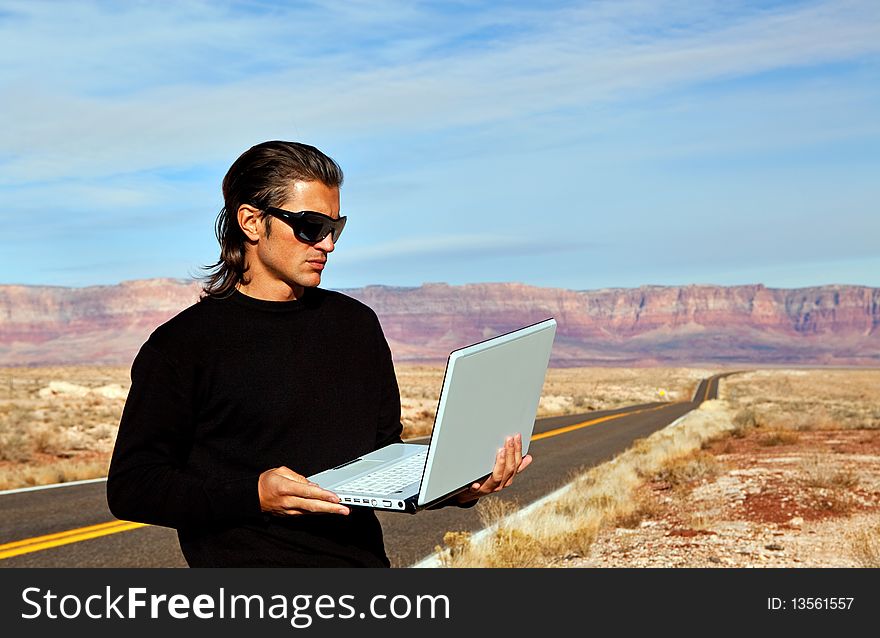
(249, 220)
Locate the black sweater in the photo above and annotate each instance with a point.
(232, 387)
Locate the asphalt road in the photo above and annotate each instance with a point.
(558, 451)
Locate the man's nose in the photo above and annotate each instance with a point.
(326, 244)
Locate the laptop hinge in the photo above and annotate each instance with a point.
(437, 501)
(411, 504)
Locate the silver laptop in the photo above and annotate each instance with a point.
(490, 391)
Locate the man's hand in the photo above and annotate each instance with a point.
(508, 463)
(283, 492)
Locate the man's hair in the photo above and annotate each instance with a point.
(262, 177)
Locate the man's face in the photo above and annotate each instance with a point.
(281, 263)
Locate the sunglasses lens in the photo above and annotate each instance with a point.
(337, 229)
(311, 229)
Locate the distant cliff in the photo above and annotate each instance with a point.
(830, 325)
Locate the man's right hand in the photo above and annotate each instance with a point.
(283, 492)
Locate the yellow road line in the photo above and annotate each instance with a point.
(708, 385)
(38, 543)
(57, 535)
(578, 426)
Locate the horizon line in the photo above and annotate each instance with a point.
(189, 281)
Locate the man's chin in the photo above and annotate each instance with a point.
(310, 281)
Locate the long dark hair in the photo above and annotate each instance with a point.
(262, 177)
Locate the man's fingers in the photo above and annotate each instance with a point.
(298, 505)
(305, 506)
(311, 492)
(498, 469)
(510, 452)
(514, 461)
(510, 462)
(307, 489)
(284, 492)
(504, 469)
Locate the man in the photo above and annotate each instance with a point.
(266, 380)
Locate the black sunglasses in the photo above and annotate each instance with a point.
(308, 225)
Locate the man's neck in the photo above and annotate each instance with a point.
(271, 291)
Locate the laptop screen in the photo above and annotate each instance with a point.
(491, 391)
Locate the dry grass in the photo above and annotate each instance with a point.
(821, 472)
(58, 424)
(807, 399)
(58, 471)
(680, 471)
(606, 496)
(865, 545)
(778, 437)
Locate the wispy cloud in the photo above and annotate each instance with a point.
(191, 83)
(589, 121)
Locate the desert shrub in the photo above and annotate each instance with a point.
(778, 437)
(865, 546)
(15, 445)
(687, 469)
(805, 417)
(583, 403)
(644, 509)
(820, 472)
(575, 540)
(832, 501)
(457, 545)
(511, 547)
(743, 421)
(492, 510)
(60, 471)
(48, 439)
(745, 418)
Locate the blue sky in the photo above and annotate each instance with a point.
(574, 144)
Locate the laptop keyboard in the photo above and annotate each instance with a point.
(390, 479)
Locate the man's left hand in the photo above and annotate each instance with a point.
(508, 463)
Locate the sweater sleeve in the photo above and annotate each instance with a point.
(148, 481)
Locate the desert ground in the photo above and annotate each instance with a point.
(783, 470)
(58, 424)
